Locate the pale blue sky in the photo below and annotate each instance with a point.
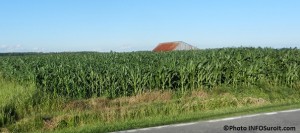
(132, 25)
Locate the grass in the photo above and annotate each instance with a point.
(47, 113)
(14, 101)
(19, 102)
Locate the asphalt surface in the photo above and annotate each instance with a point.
(274, 122)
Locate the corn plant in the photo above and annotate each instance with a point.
(92, 74)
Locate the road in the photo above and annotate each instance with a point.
(273, 122)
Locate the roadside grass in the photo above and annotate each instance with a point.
(18, 102)
(14, 101)
(152, 109)
(49, 113)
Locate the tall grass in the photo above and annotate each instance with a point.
(14, 101)
(18, 101)
(153, 108)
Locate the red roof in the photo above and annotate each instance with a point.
(168, 46)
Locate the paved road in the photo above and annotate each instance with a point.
(270, 122)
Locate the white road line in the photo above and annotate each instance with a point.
(232, 118)
(212, 121)
(225, 119)
(145, 129)
(247, 116)
(131, 131)
(128, 131)
(184, 124)
(271, 113)
(158, 127)
(288, 111)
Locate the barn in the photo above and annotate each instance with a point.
(172, 46)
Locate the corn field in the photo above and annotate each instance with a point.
(91, 74)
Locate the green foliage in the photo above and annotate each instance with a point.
(89, 74)
(36, 88)
(14, 101)
(8, 114)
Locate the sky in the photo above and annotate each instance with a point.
(139, 25)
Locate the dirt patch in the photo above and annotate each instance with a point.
(4, 130)
(78, 105)
(254, 101)
(105, 103)
(199, 94)
(150, 97)
(51, 123)
(99, 102)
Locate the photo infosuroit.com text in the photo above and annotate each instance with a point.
(258, 128)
